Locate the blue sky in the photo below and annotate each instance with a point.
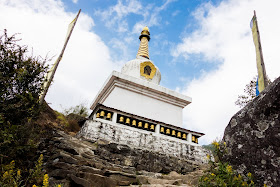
(168, 22)
(203, 48)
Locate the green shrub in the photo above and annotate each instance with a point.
(222, 174)
(21, 77)
(80, 110)
(11, 176)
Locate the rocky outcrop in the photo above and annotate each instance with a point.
(253, 137)
(74, 162)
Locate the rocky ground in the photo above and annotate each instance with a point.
(74, 162)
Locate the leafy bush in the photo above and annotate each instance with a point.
(80, 110)
(11, 176)
(75, 116)
(222, 174)
(21, 77)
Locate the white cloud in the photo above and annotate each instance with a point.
(151, 17)
(43, 24)
(75, 1)
(224, 35)
(115, 16)
(175, 13)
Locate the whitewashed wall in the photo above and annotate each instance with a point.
(143, 105)
(136, 138)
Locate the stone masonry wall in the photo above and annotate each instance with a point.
(98, 130)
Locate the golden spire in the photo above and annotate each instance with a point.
(144, 43)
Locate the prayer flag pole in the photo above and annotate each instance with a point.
(262, 78)
(50, 74)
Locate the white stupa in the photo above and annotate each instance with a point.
(132, 108)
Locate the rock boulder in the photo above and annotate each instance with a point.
(253, 137)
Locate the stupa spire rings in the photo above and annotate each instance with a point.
(144, 43)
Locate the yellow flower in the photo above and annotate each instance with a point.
(229, 169)
(208, 156)
(239, 176)
(5, 175)
(225, 144)
(205, 179)
(34, 185)
(244, 183)
(59, 185)
(212, 174)
(215, 143)
(249, 174)
(252, 182)
(264, 185)
(46, 180)
(40, 159)
(18, 173)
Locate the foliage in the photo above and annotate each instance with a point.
(222, 174)
(61, 119)
(73, 116)
(209, 147)
(36, 174)
(250, 93)
(21, 77)
(69, 123)
(80, 110)
(10, 176)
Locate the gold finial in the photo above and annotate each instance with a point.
(144, 43)
(145, 31)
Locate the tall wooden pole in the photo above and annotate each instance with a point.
(261, 54)
(42, 97)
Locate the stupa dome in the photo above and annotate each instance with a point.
(142, 68)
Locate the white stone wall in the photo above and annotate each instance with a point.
(136, 138)
(142, 98)
(144, 105)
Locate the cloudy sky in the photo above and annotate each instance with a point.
(204, 49)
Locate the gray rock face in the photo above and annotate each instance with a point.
(253, 137)
(74, 162)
